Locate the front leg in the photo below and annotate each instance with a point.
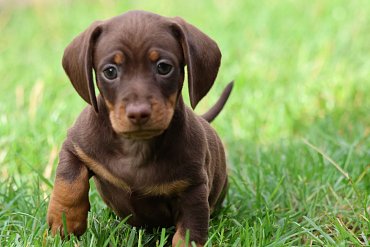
(193, 216)
(70, 195)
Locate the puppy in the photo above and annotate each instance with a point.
(150, 156)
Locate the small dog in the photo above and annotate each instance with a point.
(151, 157)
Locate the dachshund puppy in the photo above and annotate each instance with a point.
(150, 156)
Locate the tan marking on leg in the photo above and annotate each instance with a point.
(153, 56)
(118, 58)
(165, 189)
(100, 171)
(72, 199)
(178, 240)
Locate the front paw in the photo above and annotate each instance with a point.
(178, 240)
(76, 218)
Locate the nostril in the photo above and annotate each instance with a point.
(138, 113)
(144, 115)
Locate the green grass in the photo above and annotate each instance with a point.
(296, 128)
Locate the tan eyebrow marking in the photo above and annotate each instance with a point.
(99, 170)
(118, 58)
(153, 56)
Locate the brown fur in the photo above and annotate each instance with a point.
(70, 198)
(150, 156)
(99, 170)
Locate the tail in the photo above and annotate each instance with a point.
(215, 110)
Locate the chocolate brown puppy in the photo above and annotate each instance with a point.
(152, 158)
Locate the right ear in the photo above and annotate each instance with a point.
(202, 57)
(78, 63)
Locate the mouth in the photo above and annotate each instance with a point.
(141, 134)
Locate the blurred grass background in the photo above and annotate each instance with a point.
(296, 126)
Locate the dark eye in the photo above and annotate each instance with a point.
(110, 73)
(164, 68)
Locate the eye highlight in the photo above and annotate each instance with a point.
(164, 68)
(110, 73)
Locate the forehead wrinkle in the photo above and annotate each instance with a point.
(136, 25)
(136, 33)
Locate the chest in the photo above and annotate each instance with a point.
(137, 171)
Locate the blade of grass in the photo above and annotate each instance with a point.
(319, 229)
(114, 231)
(64, 220)
(331, 161)
(163, 239)
(131, 238)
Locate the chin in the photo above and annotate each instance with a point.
(140, 134)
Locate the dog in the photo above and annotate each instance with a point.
(152, 158)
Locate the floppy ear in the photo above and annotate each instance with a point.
(77, 63)
(202, 57)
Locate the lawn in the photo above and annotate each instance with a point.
(296, 127)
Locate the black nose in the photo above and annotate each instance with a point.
(138, 114)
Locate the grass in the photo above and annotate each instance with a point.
(296, 128)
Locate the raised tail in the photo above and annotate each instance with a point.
(216, 108)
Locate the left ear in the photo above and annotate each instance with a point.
(78, 65)
(202, 56)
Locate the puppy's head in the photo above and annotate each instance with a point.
(138, 59)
